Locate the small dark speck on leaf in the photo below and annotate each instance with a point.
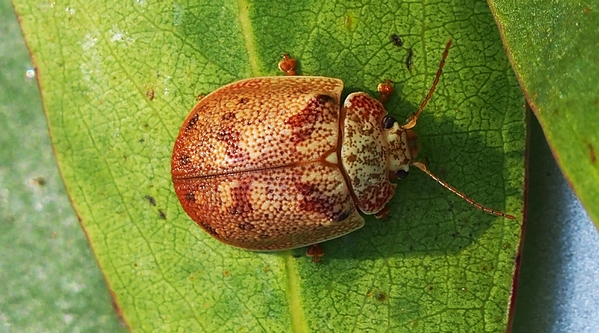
(396, 40)
(586, 10)
(142, 140)
(40, 181)
(150, 94)
(409, 61)
(381, 297)
(592, 153)
(161, 214)
(151, 200)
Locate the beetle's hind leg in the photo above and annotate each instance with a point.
(287, 65)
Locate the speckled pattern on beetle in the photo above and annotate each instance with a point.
(274, 163)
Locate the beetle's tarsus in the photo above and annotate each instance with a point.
(287, 65)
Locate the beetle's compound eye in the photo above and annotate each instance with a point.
(388, 122)
(401, 173)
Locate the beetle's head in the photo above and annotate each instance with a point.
(403, 146)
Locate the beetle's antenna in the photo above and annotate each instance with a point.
(423, 167)
(412, 120)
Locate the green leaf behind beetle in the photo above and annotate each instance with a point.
(118, 79)
(554, 49)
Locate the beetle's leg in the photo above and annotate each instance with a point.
(383, 214)
(385, 90)
(411, 122)
(315, 252)
(287, 65)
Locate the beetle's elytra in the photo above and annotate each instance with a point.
(274, 163)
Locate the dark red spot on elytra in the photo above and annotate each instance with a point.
(304, 122)
(184, 159)
(240, 195)
(228, 116)
(243, 100)
(192, 122)
(190, 197)
(342, 216)
(245, 226)
(206, 226)
(315, 200)
(231, 138)
(228, 134)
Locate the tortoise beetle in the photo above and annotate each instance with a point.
(274, 163)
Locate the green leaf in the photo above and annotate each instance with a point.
(50, 280)
(554, 49)
(118, 80)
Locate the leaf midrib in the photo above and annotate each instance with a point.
(292, 291)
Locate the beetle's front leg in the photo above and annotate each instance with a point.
(287, 65)
(385, 90)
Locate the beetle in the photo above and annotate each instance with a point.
(275, 163)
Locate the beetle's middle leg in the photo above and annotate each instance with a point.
(287, 65)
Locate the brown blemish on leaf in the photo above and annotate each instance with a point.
(161, 214)
(150, 94)
(40, 181)
(592, 153)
